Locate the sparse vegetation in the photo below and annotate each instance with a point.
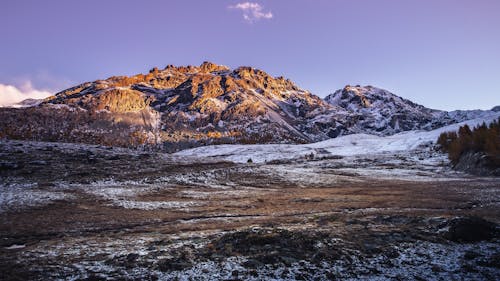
(483, 139)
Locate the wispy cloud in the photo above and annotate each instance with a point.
(10, 95)
(252, 11)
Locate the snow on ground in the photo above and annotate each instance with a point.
(16, 196)
(431, 261)
(124, 194)
(153, 205)
(426, 260)
(405, 155)
(356, 144)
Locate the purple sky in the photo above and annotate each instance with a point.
(443, 54)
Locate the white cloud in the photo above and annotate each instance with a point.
(10, 95)
(252, 11)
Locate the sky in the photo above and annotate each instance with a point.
(444, 54)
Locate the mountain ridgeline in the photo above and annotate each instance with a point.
(188, 106)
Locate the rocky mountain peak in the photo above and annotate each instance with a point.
(205, 68)
(357, 95)
(356, 98)
(196, 103)
(209, 67)
(379, 111)
(185, 106)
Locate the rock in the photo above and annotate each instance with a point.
(471, 229)
(132, 257)
(119, 100)
(252, 263)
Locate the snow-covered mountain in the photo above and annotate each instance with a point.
(181, 107)
(379, 112)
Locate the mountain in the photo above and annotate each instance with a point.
(379, 112)
(188, 106)
(207, 104)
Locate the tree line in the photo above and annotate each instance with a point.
(482, 138)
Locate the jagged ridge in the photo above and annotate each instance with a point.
(209, 104)
(187, 106)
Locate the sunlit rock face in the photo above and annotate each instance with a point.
(187, 106)
(206, 104)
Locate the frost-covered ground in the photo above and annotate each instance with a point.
(350, 145)
(270, 254)
(360, 208)
(14, 196)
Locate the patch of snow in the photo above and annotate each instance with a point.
(19, 196)
(124, 194)
(349, 145)
(15, 246)
(153, 205)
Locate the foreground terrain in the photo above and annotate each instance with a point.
(82, 212)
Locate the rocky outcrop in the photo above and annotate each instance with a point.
(471, 229)
(115, 100)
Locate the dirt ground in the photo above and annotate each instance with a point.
(79, 212)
